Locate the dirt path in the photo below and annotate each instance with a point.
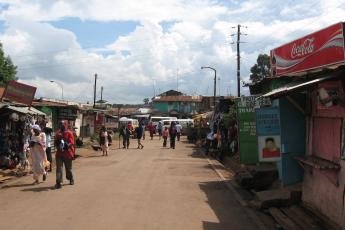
(153, 188)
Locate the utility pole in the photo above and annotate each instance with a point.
(101, 93)
(94, 91)
(239, 58)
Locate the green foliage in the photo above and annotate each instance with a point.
(261, 69)
(8, 70)
(146, 101)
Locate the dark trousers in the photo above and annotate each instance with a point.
(60, 161)
(125, 142)
(172, 142)
(165, 141)
(178, 136)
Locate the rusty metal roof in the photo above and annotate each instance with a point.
(178, 99)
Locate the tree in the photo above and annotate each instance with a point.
(146, 101)
(8, 70)
(261, 69)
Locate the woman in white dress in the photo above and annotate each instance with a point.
(38, 153)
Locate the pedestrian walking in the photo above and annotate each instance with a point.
(151, 130)
(104, 140)
(160, 129)
(165, 135)
(48, 132)
(172, 134)
(143, 127)
(64, 142)
(38, 153)
(125, 133)
(139, 133)
(178, 130)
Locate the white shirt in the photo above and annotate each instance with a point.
(178, 128)
(48, 140)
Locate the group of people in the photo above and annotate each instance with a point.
(40, 151)
(174, 132)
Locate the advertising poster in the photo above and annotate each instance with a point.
(268, 132)
(248, 142)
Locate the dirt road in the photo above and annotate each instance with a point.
(153, 188)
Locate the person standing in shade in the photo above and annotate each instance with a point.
(126, 134)
(165, 135)
(48, 132)
(64, 142)
(178, 130)
(103, 140)
(139, 133)
(172, 134)
(38, 154)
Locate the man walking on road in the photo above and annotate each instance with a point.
(178, 130)
(126, 134)
(64, 142)
(172, 134)
(139, 133)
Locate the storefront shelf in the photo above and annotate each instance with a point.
(318, 163)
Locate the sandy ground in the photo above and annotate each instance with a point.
(153, 188)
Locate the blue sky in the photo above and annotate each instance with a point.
(134, 47)
(92, 34)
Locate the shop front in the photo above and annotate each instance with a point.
(312, 111)
(15, 132)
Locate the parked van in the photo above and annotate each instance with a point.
(125, 120)
(155, 120)
(184, 123)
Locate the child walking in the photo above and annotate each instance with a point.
(165, 135)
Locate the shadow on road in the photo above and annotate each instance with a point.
(17, 186)
(39, 189)
(229, 212)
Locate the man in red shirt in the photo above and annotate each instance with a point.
(64, 143)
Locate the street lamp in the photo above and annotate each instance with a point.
(215, 84)
(61, 86)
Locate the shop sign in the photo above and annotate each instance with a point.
(19, 92)
(268, 134)
(247, 129)
(314, 51)
(249, 103)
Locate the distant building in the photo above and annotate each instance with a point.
(171, 93)
(181, 105)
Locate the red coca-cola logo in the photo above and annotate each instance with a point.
(303, 49)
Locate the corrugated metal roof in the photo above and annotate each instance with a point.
(25, 110)
(178, 99)
(298, 85)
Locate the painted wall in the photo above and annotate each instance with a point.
(293, 136)
(161, 106)
(320, 188)
(181, 107)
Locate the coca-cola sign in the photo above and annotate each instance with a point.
(315, 51)
(303, 49)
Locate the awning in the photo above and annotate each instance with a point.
(25, 110)
(295, 86)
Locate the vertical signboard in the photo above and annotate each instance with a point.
(248, 141)
(268, 132)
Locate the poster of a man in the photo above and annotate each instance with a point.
(269, 148)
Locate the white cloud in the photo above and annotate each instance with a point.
(199, 37)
